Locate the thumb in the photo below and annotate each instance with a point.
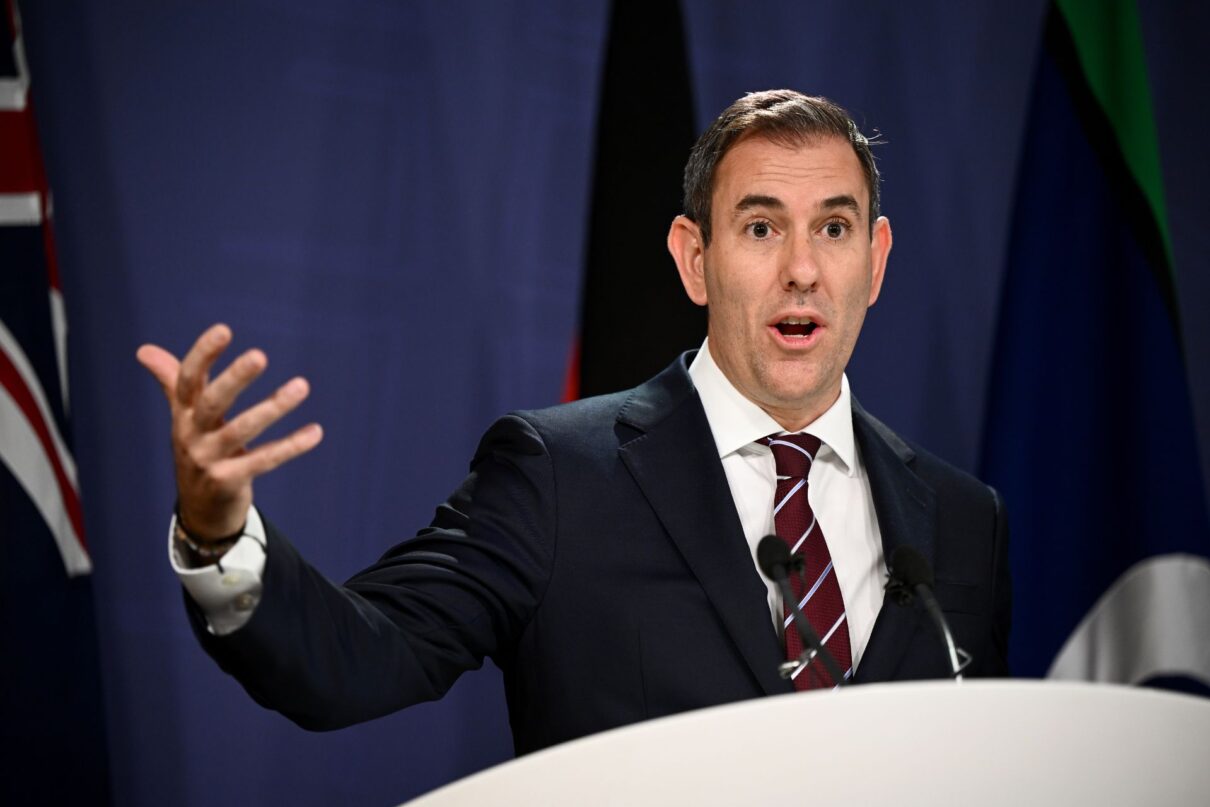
(162, 365)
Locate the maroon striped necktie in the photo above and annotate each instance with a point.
(819, 596)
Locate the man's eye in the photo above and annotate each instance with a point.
(760, 229)
(835, 229)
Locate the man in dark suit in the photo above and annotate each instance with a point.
(601, 552)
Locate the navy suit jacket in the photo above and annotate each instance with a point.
(595, 554)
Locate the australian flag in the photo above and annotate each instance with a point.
(53, 732)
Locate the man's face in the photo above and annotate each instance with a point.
(789, 273)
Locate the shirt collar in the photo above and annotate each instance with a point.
(737, 423)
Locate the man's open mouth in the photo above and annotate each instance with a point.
(795, 327)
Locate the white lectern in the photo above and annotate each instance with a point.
(1019, 743)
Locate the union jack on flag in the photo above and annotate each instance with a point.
(34, 445)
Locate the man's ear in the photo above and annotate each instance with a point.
(685, 244)
(880, 249)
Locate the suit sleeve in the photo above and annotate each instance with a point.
(403, 630)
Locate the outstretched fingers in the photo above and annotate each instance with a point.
(214, 466)
(248, 425)
(265, 458)
(218, 396)
(197, 362)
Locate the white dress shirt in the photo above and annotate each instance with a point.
(838, 490)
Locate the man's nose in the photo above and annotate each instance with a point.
(800, 269)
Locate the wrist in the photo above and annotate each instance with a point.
(200, 547)
(211, 525)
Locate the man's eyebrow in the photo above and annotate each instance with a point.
(758, 200)
(844, 200)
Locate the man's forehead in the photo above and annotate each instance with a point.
(759, 201)
(758, 166)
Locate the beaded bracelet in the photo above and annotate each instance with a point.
(208, 550)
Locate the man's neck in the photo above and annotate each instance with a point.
(736, 421)
(797, 419)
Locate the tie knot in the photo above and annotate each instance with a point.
(793, 453)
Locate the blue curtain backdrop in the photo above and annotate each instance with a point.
(392, 199)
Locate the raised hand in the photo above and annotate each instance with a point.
(214, 465)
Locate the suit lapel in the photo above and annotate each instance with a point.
(673, 459)
(907, 515)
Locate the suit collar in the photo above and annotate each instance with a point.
(907, 516)
(673, 459)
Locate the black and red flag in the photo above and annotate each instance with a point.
(634, 315)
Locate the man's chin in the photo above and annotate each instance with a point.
(796, 385)
(798, 401)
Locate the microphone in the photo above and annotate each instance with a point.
(910, 572)
(773, 557)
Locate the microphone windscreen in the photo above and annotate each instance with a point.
(909, 566)
(772, 553)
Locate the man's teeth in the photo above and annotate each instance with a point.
(796, 327)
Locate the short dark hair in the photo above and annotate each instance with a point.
(783, 116)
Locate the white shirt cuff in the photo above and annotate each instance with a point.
(228, 591)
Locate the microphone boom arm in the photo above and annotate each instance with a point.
(934, 609)
(810, 640)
